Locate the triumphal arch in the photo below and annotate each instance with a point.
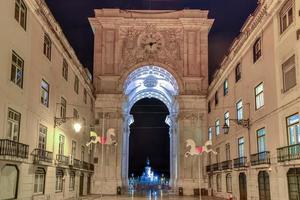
(160, 54)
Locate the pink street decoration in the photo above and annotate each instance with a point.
(109, 139)
(194, 150)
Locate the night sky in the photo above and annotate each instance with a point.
(229, 17)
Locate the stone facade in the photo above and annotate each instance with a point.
(264, 160)
(175, 41)
(21, 93)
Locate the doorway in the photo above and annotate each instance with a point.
(243, 186)
(264, 186)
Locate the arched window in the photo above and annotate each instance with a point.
(72, 181)
(264, 186)
(228, 183)
(9, 178)
(59, 180)
(293, 177)
(257, 50)
(219, 183)
(39, 181)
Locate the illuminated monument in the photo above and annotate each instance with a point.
(148, 175)
(158, 54)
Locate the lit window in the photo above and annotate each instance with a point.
(261, 140)
(45, 93)
(59, 180)
(241, 147)
(65, 69)
(210, 133)
(63, 108)
(217, 124)
(47, 46)
(289, 73)
(219, 183)
(76, 84)
(238, 73)
(228, 183)
(72, 181)
(226, 118)
(42, 137)
(39, 181)
(286, 15)
(239, 110)
(225, 87)
(293, 128)
(17, 70)
(259, 96)
(21, 13)
(257, 50)
(84, 96)
(13, 126)
(61, 144)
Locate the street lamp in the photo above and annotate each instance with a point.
(245, 123)
(76, 125)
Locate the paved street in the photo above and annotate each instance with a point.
(148, 198)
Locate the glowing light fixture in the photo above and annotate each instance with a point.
(77, 127)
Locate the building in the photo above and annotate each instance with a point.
(44, 89)
(254, 106)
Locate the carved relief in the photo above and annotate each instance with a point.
(150, 44)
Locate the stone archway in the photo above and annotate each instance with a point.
(151, 82)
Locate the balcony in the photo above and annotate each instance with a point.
(226, 165)
(41, 155)
(91, 167)
(260, 158)
(240, 162)
(85, 165)
(291, 152)
(77, 164)
(216, 167)
(13, 149)
(62, 160)
(209, 168)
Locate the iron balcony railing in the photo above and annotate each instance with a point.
(226, 165)
(85, 165)
(42, 155)
(216, 167)
(13, 149)
(291, 152)
(209, 168)
(91, 167)
(77, 163)
(240, 162)
(260, 158)
(62, 159)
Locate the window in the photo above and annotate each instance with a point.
(21, 13)
(45, 93)
(261, 140)
(226, 118)
(286, 15)
(208, 107)
(72, 181)
(61, 144)
(82, 153)
(76, 84)
(39, 181)
(47, 46)
(293, 128)
(227, 151)
(259, 96)
(42, 137)
(84, 96)
(13, 126)
(225, 87)
(218, 155)
(210, 133)
(239, 110)
(17, 70)
(9, 176)
(241, 147)
(65, 69)
(293, 178)
(289, 73)
(216, 98)
(73, 148)
(217, 124)
(257, 50)
(75, 114)
(59, 180)
(238, 73)
(228, 183)
(219, 183)
(63, 108)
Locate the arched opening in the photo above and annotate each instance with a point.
(150, 82)
(149, 138)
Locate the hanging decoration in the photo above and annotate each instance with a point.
(108, 139)
(197, 150)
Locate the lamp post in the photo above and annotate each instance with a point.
(245, 123)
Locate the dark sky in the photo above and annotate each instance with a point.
(229, 16)
(149, 137)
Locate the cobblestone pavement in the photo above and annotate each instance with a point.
(147, 198)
